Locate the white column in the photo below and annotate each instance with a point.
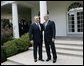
(15, 20)
(43, 10)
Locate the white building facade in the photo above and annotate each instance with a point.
(67, 15)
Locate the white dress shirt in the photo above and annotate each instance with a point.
(46, 23)
(38, 24)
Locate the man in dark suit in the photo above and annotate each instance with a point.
(36, 38)
(49, 38)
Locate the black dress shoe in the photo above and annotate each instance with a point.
(35, 60)
(54, 61)
(41, 59)
(48, 59)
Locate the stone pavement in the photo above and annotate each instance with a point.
(26, 58)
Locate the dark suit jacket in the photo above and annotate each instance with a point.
(35, 34)
(49, 31)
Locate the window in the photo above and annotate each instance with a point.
(75, 18)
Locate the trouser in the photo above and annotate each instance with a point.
(48, 45)
(37, 47)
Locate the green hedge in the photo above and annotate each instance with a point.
(16, 46)
(10, 48)
(3, 54)
(25, 38)
(21, 45)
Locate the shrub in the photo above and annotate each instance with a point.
(21, 45)
(25, 38)
(15, 46)
(3, 54)
(10, 48)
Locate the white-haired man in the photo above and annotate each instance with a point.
(36, 37)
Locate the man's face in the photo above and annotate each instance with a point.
(37, 20)
(45, 18)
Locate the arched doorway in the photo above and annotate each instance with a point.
(75, 18)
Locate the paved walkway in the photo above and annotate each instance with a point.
(26, 58)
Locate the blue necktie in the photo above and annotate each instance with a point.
(39, 26)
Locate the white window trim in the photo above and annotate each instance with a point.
(75, 22)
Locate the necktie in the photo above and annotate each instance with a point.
(39, 26)
(45, 24)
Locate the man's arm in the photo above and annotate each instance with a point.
(30, 32)
(53, 30)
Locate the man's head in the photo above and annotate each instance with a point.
(36, 18)
(46, 17)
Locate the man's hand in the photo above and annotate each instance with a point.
(32, 42)
(53, 39)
